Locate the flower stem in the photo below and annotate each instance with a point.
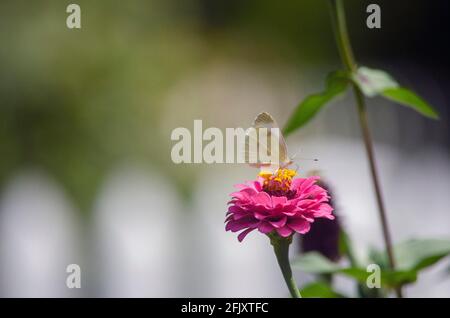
(281, 249)
(346, 53)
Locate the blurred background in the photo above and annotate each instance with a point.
(86, 115)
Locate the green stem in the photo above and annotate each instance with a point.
(281, 249)
(346, 52)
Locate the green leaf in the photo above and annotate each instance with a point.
(360, 274)
(410, 257)
(346, 248)
(389, 278)
(344, 243)
(408, 98)
(398, 278)
(378, 258)
(336, 84)
(418, 254)
(372, 82)
(319, 290)
(314, 263)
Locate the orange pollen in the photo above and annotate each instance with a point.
(281, 180)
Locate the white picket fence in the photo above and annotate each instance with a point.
(142, 240)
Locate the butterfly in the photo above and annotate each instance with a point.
(259, 139)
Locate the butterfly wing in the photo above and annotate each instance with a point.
(250, 154)
(265, 120)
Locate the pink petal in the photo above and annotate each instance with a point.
(243, 234)
(278, 201)
(299, 225)
(235, 209)
(284, 231)
(324, 211)
(279, 223)
(265, 227)
(257, 186)
(237, 225)
(234, 226)
(302, 184)
(263, 198)
(261, 216)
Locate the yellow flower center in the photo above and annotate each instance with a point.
(279, 181)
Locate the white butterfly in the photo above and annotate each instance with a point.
(259, 139)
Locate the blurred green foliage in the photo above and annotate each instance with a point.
(75, 103)
(412, 256)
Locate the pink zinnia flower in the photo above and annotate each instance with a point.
(277, 203)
